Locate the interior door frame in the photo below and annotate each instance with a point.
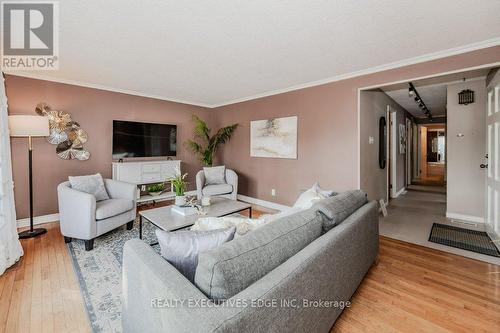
(492, 161)
(392, 144)
(409, 148)
(403, 80)
(422, 166)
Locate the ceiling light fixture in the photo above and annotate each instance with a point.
(413, 92)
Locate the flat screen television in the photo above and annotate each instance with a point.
(135, 139)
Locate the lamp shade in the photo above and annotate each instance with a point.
(28, 126)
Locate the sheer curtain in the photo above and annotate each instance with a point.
(10, 247)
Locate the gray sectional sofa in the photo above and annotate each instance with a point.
(292, 275)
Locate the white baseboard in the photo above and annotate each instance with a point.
(55, 217)
(465, 218)
(263, 203)
(399, 193)
(493, 235)
(38, 220)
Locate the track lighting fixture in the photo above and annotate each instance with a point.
(412, 92)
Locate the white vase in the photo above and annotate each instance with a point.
(180, 200)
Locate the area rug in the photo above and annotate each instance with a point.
(465, 239)
(99, 274)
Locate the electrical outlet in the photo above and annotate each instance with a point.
(273, 192)
(371, 140)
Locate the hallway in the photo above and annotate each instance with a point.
(410, 218)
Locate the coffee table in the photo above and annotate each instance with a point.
(165, 219)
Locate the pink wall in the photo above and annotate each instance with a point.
(328, 138)
(327, 144)
(94, 110)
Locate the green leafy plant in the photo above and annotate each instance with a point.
(208, 147)
(178, 183)
(159, 187)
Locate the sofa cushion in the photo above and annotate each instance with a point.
(92, 184)
(217, 189)
(181, 248)
(108, 208)
(215, 175)
(337, 208)
(232, 267)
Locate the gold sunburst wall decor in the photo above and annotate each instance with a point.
(65, 133)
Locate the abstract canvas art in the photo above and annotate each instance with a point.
(275, 137)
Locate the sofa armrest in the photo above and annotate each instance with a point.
(156, 295)
(76, 212)
(200, 183)
(121, 190)
(232, 179)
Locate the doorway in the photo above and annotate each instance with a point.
(434, 164)
(431, 154)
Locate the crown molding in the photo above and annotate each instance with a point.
(105, 88)
(397, 64)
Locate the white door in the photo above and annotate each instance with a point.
(492, 160)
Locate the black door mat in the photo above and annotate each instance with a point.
(465, 239)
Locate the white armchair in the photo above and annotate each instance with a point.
(81, 217)
(228, 190)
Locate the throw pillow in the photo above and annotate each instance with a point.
(323, 192)
(181, 248)
(307, 199)
(215, 175)
(337, 208)
(92, 184)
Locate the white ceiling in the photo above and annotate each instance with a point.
(217, 52)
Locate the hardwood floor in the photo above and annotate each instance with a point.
(417, 289)
(412, 289)
(40, 293)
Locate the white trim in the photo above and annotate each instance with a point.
(402, 81)
(263, 203)
(406, 80)
(402, 63)
(401, 191)
(493, 235)
(38, 220)
(359, 139)
(465, 218)
(393, 127)
(105, 88)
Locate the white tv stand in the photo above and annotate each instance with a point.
(146, 172)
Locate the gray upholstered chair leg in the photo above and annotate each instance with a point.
(130, 225)
(89, 244)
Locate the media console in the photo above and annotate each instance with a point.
(146, 172)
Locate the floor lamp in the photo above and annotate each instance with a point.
(30, 127)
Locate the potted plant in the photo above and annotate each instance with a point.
(208, 147)
(155, 189)
(179, 187)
